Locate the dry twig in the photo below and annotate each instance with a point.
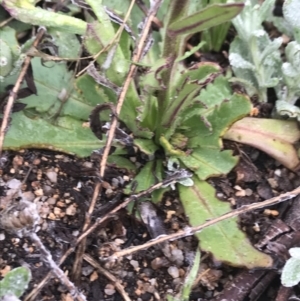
(108, 275)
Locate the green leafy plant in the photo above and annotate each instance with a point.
(15, 282)
(182, 111)
(291, 271)
(256, 59)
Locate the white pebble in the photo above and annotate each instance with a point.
(173, 271)
(52, 176)
(2, 236)
(277, 172)
(135, 264)
(71, 210)
(109, 289)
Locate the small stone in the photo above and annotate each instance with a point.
(248, 191)
(75, 233)
(71, 210)
(57, 211)
(220, 195)
(159, 262)
(173, 272)
(60, 204)
(17, 161)
(273, 183)
(52, 216)
(14, 184)
(2, 236)
(135, 264)
(94, 276)
(36, 161)
(277, 172)
(237, 187)
(240, 193)
(177, 256)
(115, 182)
(51, 201)
(87, 270)
(48, 190)
(52, 176)
(109, 289)
(39, 192)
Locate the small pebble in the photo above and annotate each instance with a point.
(39, 192)
(51, 201)
(71, 210)
(109, 289)
(57, 211)
(248, 191)
(173, 272)
(159, 262)
(14, 184)
(2, 236)
(277, 172)
(240, 193)
(135, 264)
(52, 176)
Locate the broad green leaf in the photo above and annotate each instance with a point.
(26, 12)
(67, 43)
(220, 120)
(210, 97)
(15, 282)
(100, 35)
(209, 162)
(50, 81)
(208, 17)
(224, 240)
(70, 137)
(90, 92)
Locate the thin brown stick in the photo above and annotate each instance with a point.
(192, 230)
(14, 92)
(108, 275)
